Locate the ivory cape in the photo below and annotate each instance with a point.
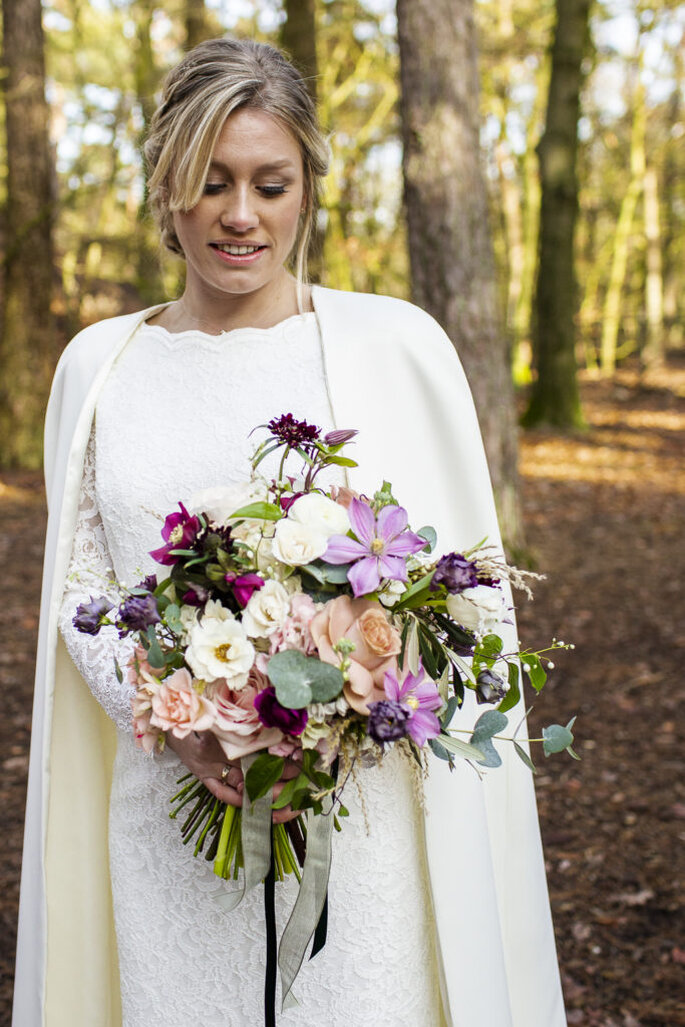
(393, 374)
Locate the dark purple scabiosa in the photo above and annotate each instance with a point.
(293, 432)
(455, 572)
(272, 714)
(388, 720)
(179, 532)
(243, 586)
(137, 613)
(90, 617)
(490, 687)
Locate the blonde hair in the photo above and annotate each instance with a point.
(212, 81)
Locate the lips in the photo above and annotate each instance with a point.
(237, 254)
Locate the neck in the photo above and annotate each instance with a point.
(215, 314)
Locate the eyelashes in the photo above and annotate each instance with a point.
(214, 188)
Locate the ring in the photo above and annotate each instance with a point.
(225, 773)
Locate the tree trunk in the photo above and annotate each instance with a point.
(450, 249)
(653, 354)
(27, 346)
(611, 321)
(148, 260)
(196, 23)
(554, 398)
(298, 39)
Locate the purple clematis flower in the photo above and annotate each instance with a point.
(421, 695)
(378, 551)
(178, 532)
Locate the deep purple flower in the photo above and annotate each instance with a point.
(455, 572)
(178, 532)
(420, 695)
(149, 583)
(196, 596)
(90, 617)
(388, 720)
(490, 687)
(244, 585)
(272, 714)
(137, 613)
(293, 432)
(383, 544)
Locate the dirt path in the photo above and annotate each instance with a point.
(605, 514)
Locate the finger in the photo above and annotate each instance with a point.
(231, 796)
(282, 816)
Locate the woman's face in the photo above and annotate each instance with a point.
(238, 237)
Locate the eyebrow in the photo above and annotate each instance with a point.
(274, 165)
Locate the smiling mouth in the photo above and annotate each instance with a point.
(235, 250)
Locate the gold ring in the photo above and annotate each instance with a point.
(224, 774)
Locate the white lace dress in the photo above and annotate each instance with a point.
(172, 418)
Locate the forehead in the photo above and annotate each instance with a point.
(253, 138)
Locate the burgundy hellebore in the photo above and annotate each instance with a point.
(178, 532)
(244, 585)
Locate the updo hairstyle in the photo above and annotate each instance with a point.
(212, 81)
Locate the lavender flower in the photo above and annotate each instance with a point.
(388, 720)
(455, 572)
(383, 543)
(149, 583)
(90, 617)
(272, 714)
(137, 613)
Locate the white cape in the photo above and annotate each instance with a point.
(393, 374)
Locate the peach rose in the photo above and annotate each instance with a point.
(178, 708)
(377, 644)
(238, 728)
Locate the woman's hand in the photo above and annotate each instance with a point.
(204, 757)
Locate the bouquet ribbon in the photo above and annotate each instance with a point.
(308, 916)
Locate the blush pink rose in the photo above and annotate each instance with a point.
(377, 645)
(238, 728)
(145, 733)
(178, 708)
(138, 667)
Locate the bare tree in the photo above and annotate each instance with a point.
(450, 248)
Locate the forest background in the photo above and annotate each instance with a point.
(549, 187)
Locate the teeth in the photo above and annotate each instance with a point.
(236, 251)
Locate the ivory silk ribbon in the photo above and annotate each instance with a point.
(311, 898)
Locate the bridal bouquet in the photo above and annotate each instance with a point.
(309, 630)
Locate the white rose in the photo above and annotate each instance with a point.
(320, 513)
(220, 502)
(216, 609)
(220, 649)
(297, 544)
(478, 609)
(266, 610)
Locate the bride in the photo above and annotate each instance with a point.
(438, 909)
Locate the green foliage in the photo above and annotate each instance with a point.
(300, 680)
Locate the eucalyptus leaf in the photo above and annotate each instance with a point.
(489, 723)
(439, 750)
(336, 574)
(556, 738)
(300, 680)
(521, 752)
(466, 750)
(431, 536)
(263, 775)
(327, 681)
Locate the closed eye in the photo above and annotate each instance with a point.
(271, 190)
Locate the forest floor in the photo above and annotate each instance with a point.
(604, 512)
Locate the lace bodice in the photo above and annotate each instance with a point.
(173, 417)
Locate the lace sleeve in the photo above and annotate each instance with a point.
(89, 574)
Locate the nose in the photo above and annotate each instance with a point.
(239, 211)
